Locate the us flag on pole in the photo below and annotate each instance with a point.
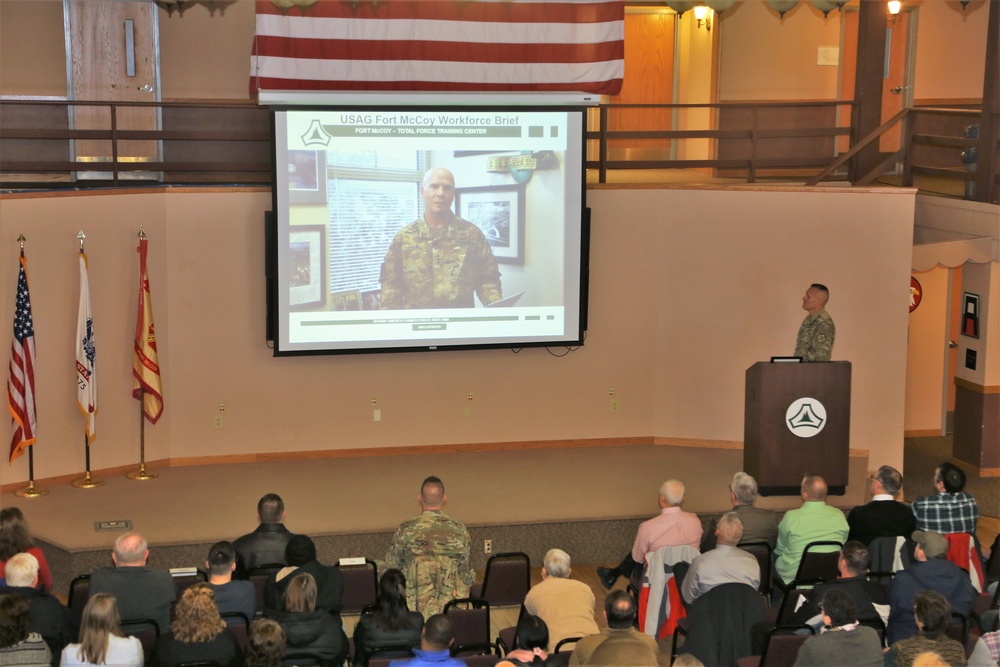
(145, 365)
(21, 381)
(441, 45)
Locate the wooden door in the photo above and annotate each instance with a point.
(112, 57)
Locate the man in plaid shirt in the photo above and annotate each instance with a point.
(950, 510)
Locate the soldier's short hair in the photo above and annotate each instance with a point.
(270, 508)
(744, 487)
(557, 563)
(890, 479)
(620, 609)
(221, 558)
(439, 631)
(432, 491)
(823, 289)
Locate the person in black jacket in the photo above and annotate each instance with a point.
(266, 544)
(884, 516)
(309, 631)
(198, 633)
(300, 554)
(49, 617)
(389, 622)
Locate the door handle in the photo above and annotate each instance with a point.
(897, 90)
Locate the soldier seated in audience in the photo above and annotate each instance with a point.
(671, 527)
(433, 552)
(141, 592)
(759, 525)
(49, 617)
(630, 645)
(230, 596)
(884, 516)
(266, 544)
(566, 606)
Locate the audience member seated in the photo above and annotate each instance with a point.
(725, 564)
(566, 605)
(389, 623)
(932, 615)
(140, 592)
(992, 641)
(672, 527)
(630, 647)
(300, 554)
(432, 542)
(930, 571)
(18, 645)
(15, 538)
(844, 640)
(266, 644)
(230, 595)
(266, 544)
(309, 631)
(532, 640)
(435, 640)
(868, 596)
(49, 617)
(884, 516)
(198, 633)
(759, 525)
(101, 638)
(950, 510)
(815, 521)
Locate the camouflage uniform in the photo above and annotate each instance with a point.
(439, 268)
(815, 341)
(433, 552)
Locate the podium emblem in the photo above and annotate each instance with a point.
(805, 417)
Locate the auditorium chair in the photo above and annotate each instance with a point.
(146, 630)
(781, 649)
(507, 638)
(383, 655)
(360, 586)
(562, 657)
(240, 625)
(79, 593)
(506, 580)
(471, 619)
(762, 552)
(258, 576)
(816, 566)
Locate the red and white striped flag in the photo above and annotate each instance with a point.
(145, 365)
(441, 45)
(86, 356)
(21, 380)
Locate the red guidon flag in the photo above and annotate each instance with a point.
(145, 367)
(440, 45)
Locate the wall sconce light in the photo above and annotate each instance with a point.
(894, 7)
(703, 15)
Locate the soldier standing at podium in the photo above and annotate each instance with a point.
(815, 340)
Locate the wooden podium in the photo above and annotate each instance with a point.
(797, 420)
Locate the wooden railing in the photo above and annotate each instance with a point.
(229, 143)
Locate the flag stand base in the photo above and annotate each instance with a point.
(31, 491)
(141, 474)
(87, 482)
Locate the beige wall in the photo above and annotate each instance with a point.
(32, 48)
(685, 295)
(950, 50)
(926, 354)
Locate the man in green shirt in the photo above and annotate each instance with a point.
(815, 521)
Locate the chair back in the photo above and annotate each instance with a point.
(186, 579)
(507, 638)
(568, 641)
(79, 593)
(506, 580)
(484, 660)
(762, 552)
(240, 625)
(959, 628)
(258, 576)
(783, 644)
(383, 655)
(471, 619)
(819, 562)
(360, 586)
(146, 630)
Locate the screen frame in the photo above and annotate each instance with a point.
(579, 226)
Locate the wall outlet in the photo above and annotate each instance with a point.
(487, 546)
(615, 406)
(218, 421)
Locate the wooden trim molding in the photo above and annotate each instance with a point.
(978, 388)
(925, 433)
(313, 455)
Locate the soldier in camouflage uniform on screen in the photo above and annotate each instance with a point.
(441, 260)
(434, 553)
(815, 341)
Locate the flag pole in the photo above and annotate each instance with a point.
(142, 474)
(87, 481)
(30, 491)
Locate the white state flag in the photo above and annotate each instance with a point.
(86, 380)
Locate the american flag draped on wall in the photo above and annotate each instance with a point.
(21, 380)
(441, 45)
